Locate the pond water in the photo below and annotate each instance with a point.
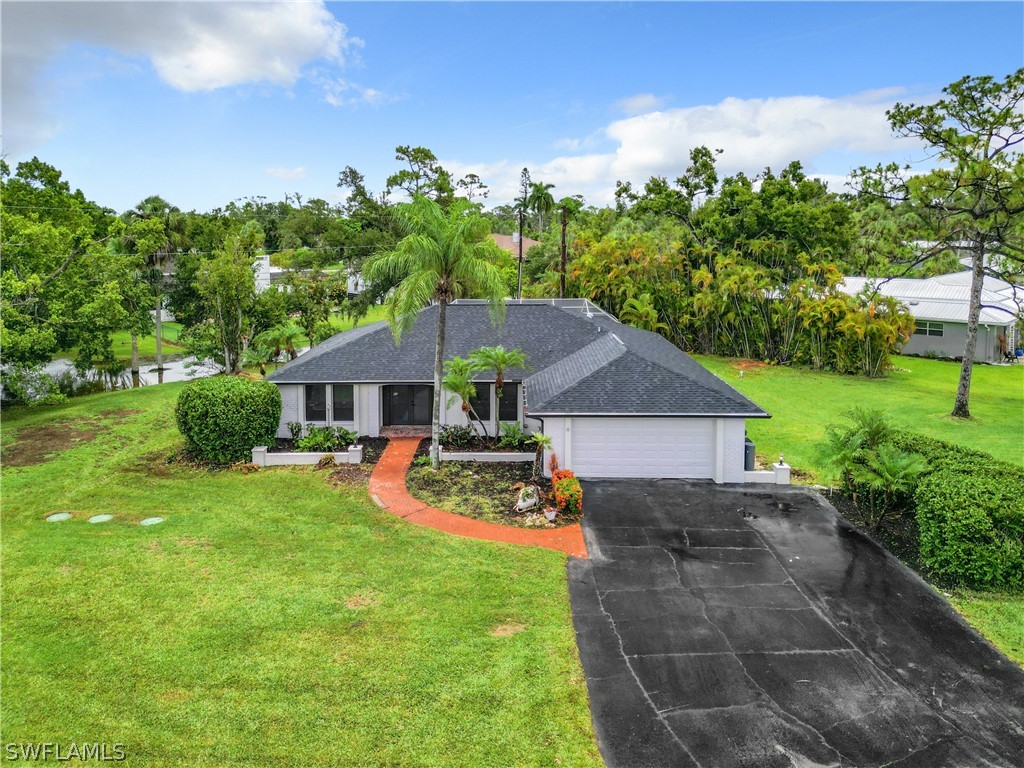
(107, 378)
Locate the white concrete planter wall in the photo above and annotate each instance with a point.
(778, 474)
(262, 458)
(491, 456)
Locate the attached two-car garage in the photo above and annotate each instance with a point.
(636, 446)
(642, 447)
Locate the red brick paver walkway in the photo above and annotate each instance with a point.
(387, 488)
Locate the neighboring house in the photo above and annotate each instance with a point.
(510, 243)
(940, 306)
(617, 401)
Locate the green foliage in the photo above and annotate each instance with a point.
(228, 288)
(456, 436)
(879, 475)
(972, 528)
(568, 492)
(58, 288)
(325, 439)
(970, 515)
(323, 331)
(224, 417)
(513, 437)
(295, 429)
(497, 359)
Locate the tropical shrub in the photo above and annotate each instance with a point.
(456, 436)
(568, 493)
(224, 417)
(295, 429)
(326, 439)
(877, 474)
(514, 438)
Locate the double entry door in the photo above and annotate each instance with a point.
(407, 405)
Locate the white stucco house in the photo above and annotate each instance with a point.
(940, 306)
(617, 401)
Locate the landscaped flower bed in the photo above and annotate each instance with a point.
(485, 491)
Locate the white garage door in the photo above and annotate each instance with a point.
(638, 447)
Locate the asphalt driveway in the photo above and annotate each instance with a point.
(725, 627)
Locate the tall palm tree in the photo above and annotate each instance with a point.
(540, 200)
(446, 254)
(497, 359)
(174, 240)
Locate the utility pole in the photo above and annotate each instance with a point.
(519, 287)
(561, 277)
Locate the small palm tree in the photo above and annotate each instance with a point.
(458, 379)
(446, 254)
(891, 473)
(497, 359)
(641, 313)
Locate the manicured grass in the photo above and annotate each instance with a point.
(344, 324)
(271, 619)
(122, 344)
(918, 397)
(999, 617)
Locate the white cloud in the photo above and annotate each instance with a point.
(641, 102)
(340, 92)
(754, 133)
(192, 46)
(287, 174)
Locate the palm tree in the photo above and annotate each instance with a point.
(497, 359)
(173, 241)
(540, 200)
(446, 254)
(281, 338)
(641, 313)
(458, 379)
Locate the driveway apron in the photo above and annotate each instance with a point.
(722, 626)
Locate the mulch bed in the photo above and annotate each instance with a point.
(483, 491)
(898, 533)
(373, 447)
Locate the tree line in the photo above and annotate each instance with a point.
(742, 265)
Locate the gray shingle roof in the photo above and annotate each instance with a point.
(577, 364)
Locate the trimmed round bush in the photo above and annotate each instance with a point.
(224, 417)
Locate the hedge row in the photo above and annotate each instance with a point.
(224, 417)
(970, 515)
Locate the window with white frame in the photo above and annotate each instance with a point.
(928, 328)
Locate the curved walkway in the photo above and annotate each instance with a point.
(387, 489)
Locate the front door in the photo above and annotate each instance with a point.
(408, 405)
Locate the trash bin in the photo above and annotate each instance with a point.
(748, 455)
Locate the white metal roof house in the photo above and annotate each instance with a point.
(617, 401)
(940, 306)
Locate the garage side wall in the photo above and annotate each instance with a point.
(729, 448)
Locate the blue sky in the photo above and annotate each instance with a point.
(206, 102)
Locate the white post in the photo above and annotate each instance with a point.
(259, 456)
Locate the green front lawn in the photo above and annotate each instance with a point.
(271, 619)
(917, 397)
